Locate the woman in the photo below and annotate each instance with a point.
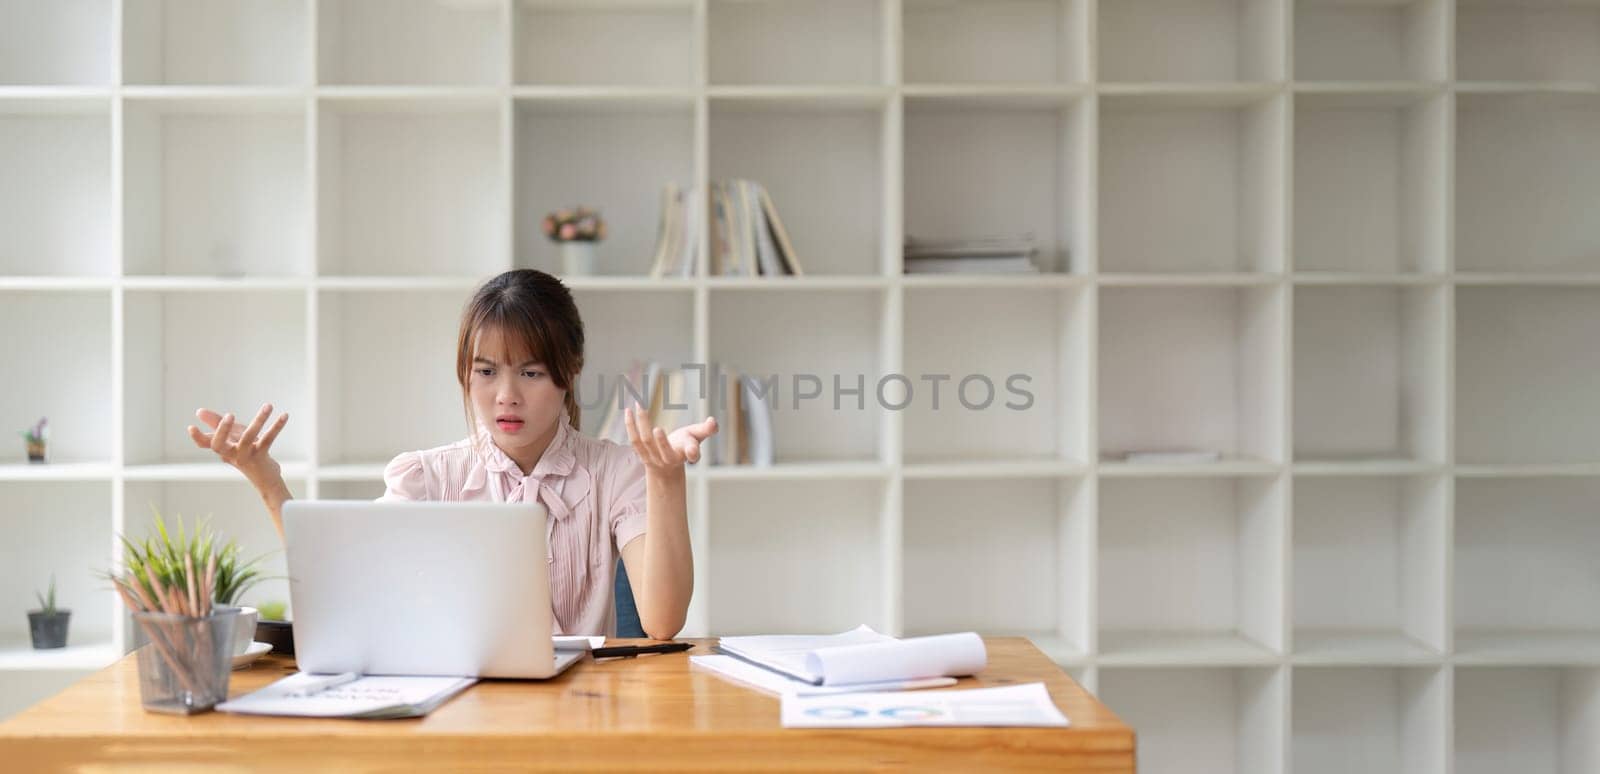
(519, 354)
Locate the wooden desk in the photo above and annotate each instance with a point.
(651, 712)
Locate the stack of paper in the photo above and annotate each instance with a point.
(579, 642)
(858, 660)
(372, 697)
(974, 254)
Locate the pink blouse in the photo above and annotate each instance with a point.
(593, 490)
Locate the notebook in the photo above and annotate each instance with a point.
(860, 655)
(373, 697)
(744, 673)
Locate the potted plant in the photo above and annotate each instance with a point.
(48, 624)
(577, 229)
(35, 438)
(175, 589)
(274, 627)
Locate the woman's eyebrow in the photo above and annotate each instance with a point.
(491, 362)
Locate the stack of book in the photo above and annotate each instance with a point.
(971, 255)
(663, 392)
(747, 237)
(744, 413)
(678, 232)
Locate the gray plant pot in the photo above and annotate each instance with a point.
(49, 630)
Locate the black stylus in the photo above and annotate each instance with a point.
(634, 650)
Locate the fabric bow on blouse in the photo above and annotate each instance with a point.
(593, 491)
(555, 482)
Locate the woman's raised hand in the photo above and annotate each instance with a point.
(245, 448)
(664, 452)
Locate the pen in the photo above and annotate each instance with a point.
(331, 681)
(634, 650)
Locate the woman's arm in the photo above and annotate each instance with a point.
(660, 563)
(662, 559)
(240, 448)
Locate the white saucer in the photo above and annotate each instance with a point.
(250, 654)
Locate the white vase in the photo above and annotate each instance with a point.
(577, 259)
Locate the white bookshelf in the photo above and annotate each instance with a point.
(1350, 245)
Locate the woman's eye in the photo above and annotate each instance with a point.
(484, 371)
(534, 374)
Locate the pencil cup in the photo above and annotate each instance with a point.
(184, 661)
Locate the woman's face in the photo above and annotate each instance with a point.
(515, 398)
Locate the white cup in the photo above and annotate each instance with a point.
(244, 629)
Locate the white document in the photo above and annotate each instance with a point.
(787, 653)
(1172, 456)
(861, 656)
(578, 642)
(766, 680)
(1011, 705)
(371, 697)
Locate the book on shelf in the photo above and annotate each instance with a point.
(748, 237)
(677, 232)
(758, 417)
(1014, 264)
(743, 412)
(983, 254)
(642, 383)
(1175, 456)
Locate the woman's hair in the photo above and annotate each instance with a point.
(531, 308)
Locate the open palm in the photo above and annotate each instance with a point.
(246, 448)
(661, 451)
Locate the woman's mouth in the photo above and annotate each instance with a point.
(509, 425)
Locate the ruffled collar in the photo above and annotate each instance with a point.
(557, 460)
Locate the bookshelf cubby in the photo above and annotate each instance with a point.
(52, 334)
(411, 42)
(194, 42)
(1369, 568)
(1377, 719)
(822, 162)
(1541, 718)
(609, 43)
(58, 44)
(1369, 187)
(1530, 42)
(957, 575)
(1527, 182)
(1192, 183)
(1369, 375)
(1220, 720)
(1192, 367)
(832, 548)
(56, 210)
(1191, 566)
(1350, 40)
(215, 187)
(1349, 246)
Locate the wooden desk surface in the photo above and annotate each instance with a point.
(651, 712)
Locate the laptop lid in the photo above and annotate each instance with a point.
(419, 588)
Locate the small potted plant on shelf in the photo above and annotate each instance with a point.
(48, 624)
(576, 229)
(35, 438)
(179, 591)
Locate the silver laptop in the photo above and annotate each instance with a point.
(421, 588)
